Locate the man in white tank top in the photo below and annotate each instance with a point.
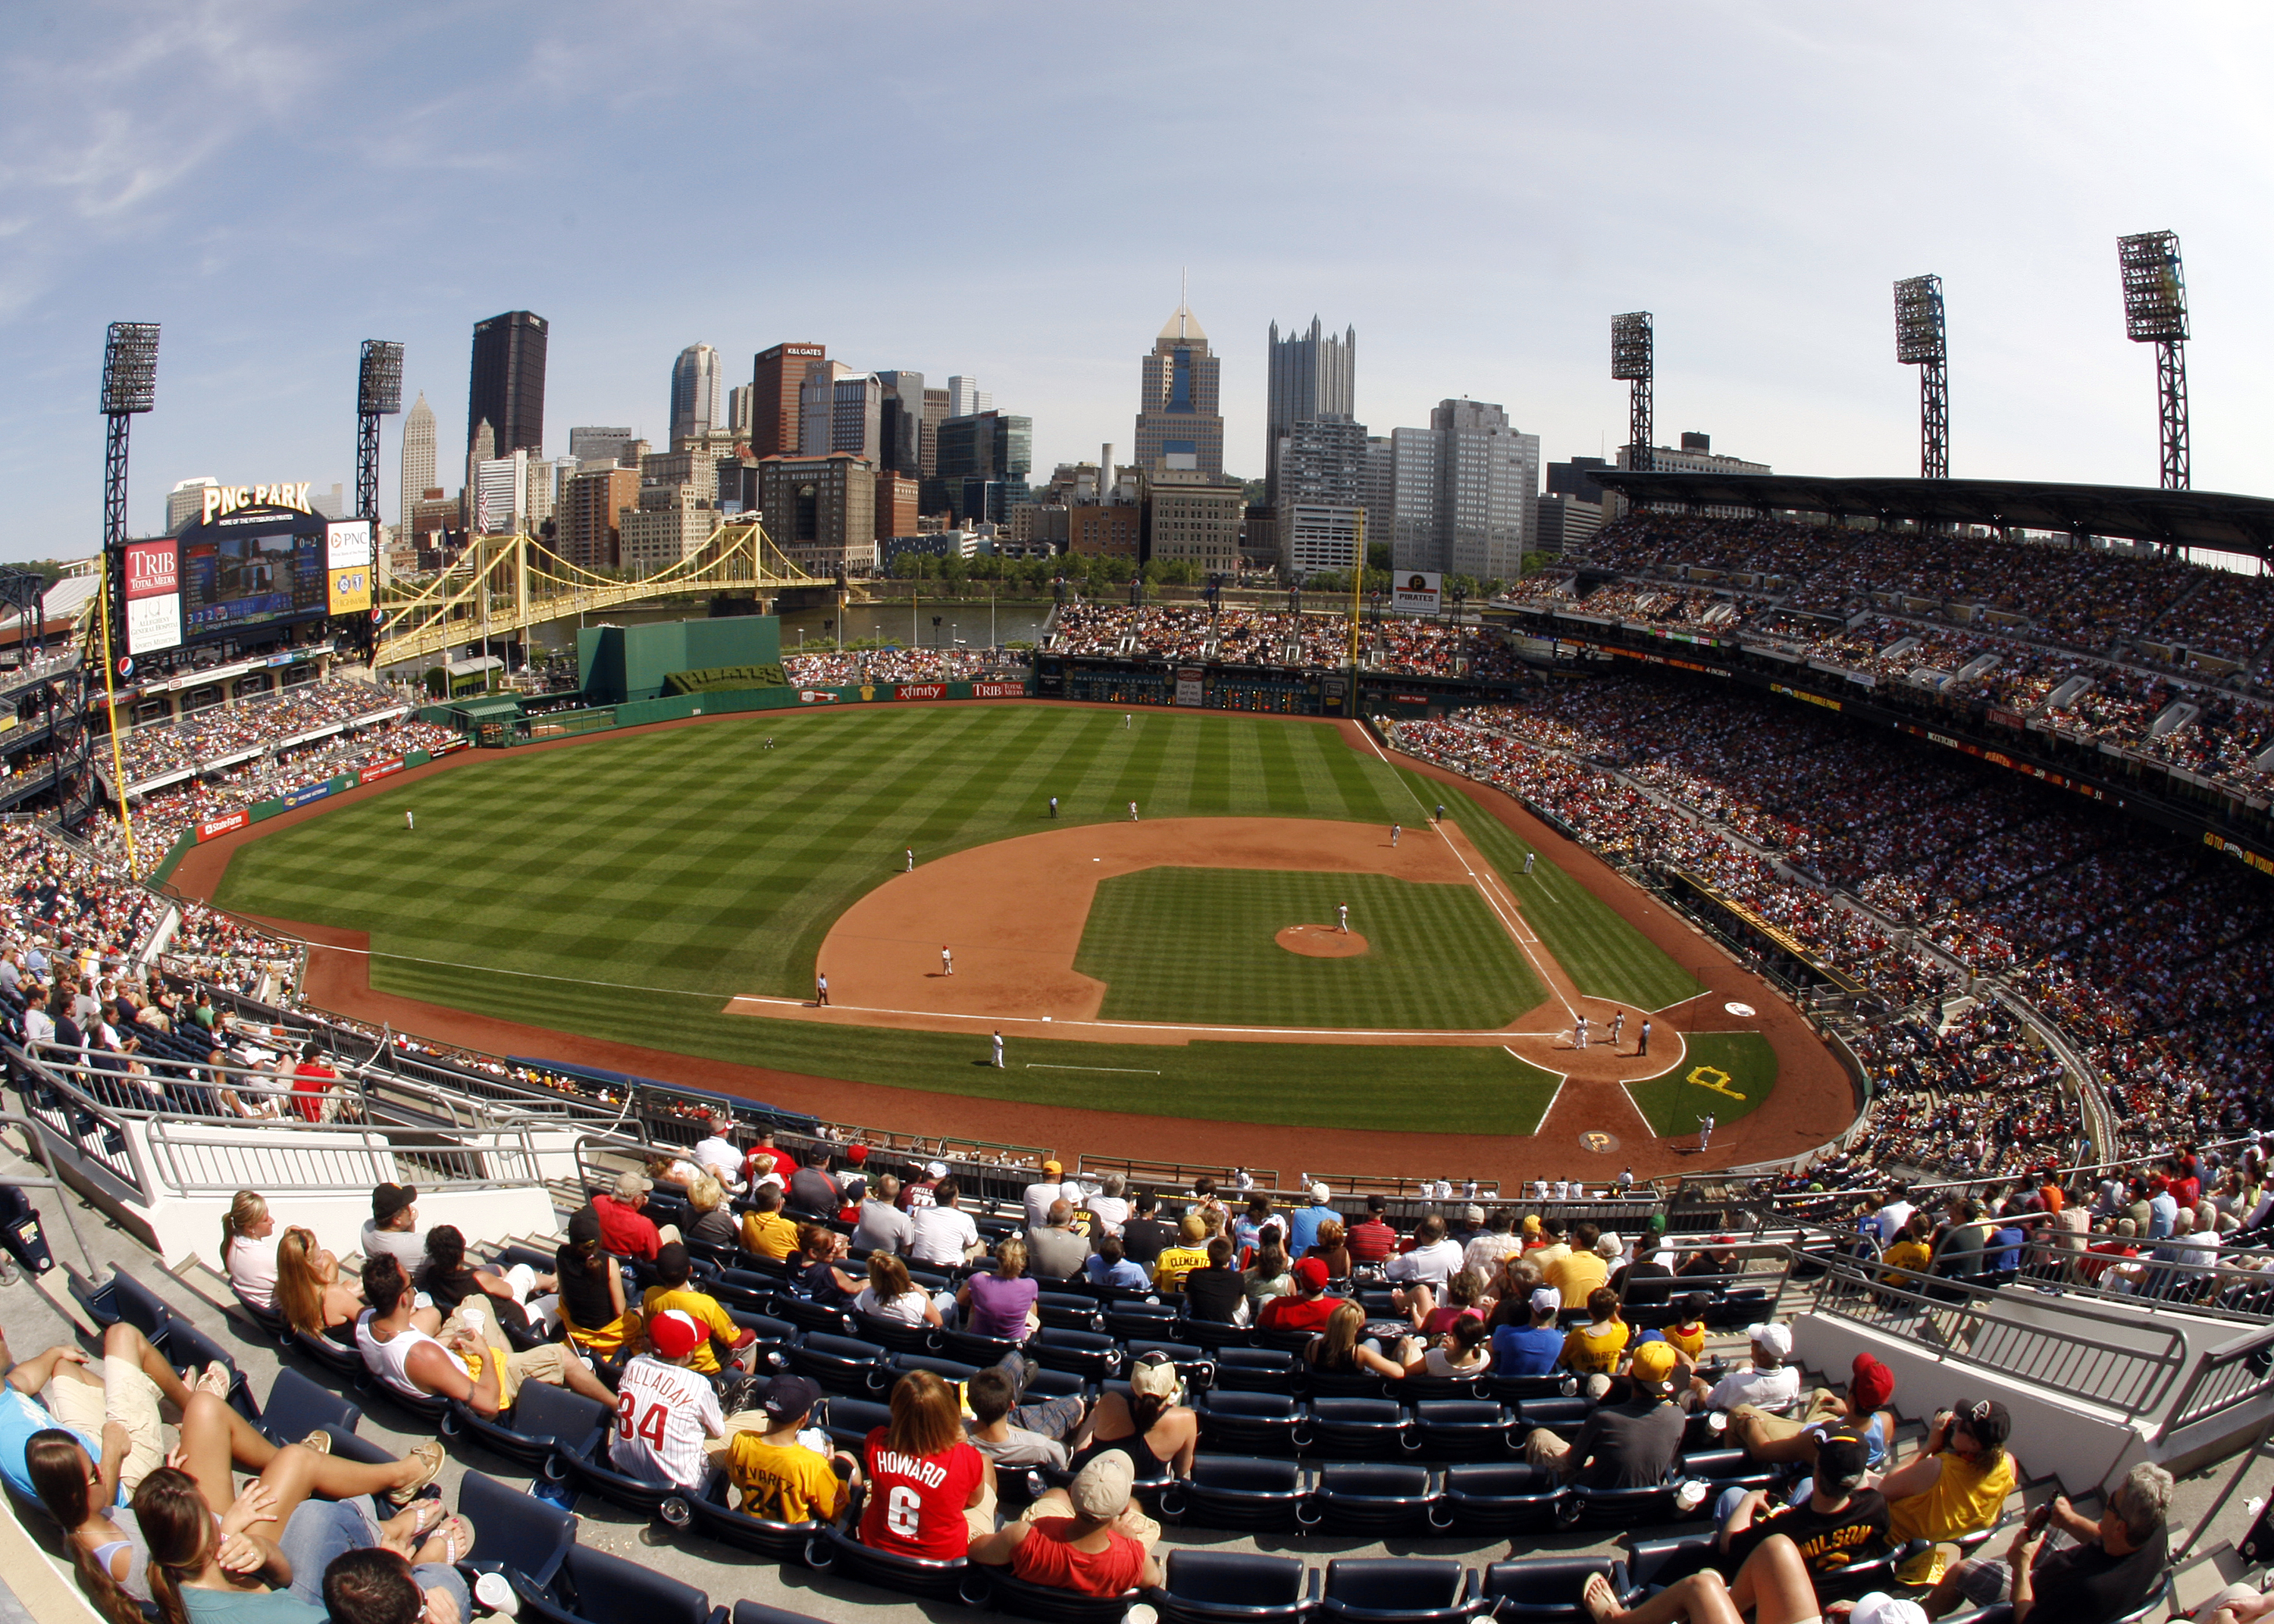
(409, 1360)
(664, 1410)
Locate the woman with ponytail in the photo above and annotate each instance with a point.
(248, 1248)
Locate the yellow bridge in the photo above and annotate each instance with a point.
(504, 585)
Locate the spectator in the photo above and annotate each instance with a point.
(1460, 1351)
(1861, 1415)
(315, 1301)
(1340, 1351)
(776, 1476)
(375, 1585)
(1434, 1260)
(1629, 1445)
(713, 1223)
(1496, 1241)
(1553, 1247)
(813, 1190)
(1770, 1386)
(892, 1297)
(1086, 1553)
(1332, 1249)
(625, 1228)
(813, 1266)
(1058, 1254)
(1581, 1270)
(394, 1226)
(1307, 1307)
(1010, 1435)
(248, 1248)
(1909, 1250)
(1189, 1253)
(919, 1195)
(943, 1234)
(126, 1389)
(715, 1152)
(469, 1361)
(448, 1279)
(1371, 1239)
(883, 1226)
(2096, 1573)
(1958, 1481)
(1524, 1340)
(1145, 1237)
(1047, 1190)
(1217, 1293)
(1268, 1275)
(1839, 1523)
(665, 1408)
(1594, 1349)
(1247, 1229)
(1303, 1226)
(768, 1231)
(311, 1080)
(929, 1492)
(1001, 1305)
(1645, 1282)
(1109, 1266)
(592, 1308)
(1109, 1206)
(1157, 1433)
(766, 1162)
(673, 1292)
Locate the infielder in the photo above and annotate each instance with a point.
(998, 1051)
(1441, 811)
(1618, 1025)
(1394, 832)
(1342, 917)
(1132, 811)
(946, 961)
(1579, 1032)
(1704, 1131)
(820, 990)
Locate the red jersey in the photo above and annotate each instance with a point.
(1044, 1557)
(1290, 1313)
(915, 1503)
(310, 1080)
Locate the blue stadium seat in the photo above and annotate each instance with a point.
(1358, 1428)
(1400, 1589)
(849, 1421)
(1255, 1369)
(1498, 1500)
(343, 1363)
(297, 1407)
(1562, 1417)
(1343, 1383)
(833, 1550)
(513, 1531)
(756, 1612)
(1725, 1469)
(545, 1422)
(593, 1587)
(898, 1337)
(1050, 1604)
(1252, 1423)
(812, 1317)
(1088, 1354)
(1239, 1492)
(1373, 1499)
(1657, 1563)
(1456, 1429)
(1544, 1590)
(1585, 1507)
(1064, 1311)
(950, 1370)
(1234, 1587)
(975, 1351)
(1141, 1319)
(1194, 1365)
(840, 1363)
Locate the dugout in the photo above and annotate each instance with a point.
(618, 663)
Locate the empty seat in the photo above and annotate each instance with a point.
(896, 1335)
(1465, 1428)
(1252, 1423)
(513, 1529)
(1661, 1562)
(1544, 1590)
(1255, 1369)
(840, 1363)
(343, 1362)
(1022, 1600)
(1345, 1384)
(545, 1423)
(297, 1407)
(1141, 1319)
(1233, 1587)
(1622, 1507)
(1239, 1492)
(812, 1316)
(848, 1421)
(1562, 1417)
(593, 1587)
(954, 1372)
(1373, 1499)
(1499, 1498)
(1724, 1468)
(1067, 1311)
(1400, 1589)
(1087, 1354)
(1859, 1579)
(975, 1351)
(1363, 1427)
(1517, 1389)
(757, 1613)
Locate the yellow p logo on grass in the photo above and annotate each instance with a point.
(1715, 1078)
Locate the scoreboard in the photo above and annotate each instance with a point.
(252, 565)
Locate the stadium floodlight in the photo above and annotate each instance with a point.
(1632, 353)
(379, 393)
(130, 385)
(2156, 312)
(1920, 342)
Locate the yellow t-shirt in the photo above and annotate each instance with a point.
(770, 1234)
(704, 1310)
(1575, 1274)
(1968, 1495)
(1174, 1263)
(1594, 1350)
(1906, 1255)
(782, 1483)
(1691, 1339)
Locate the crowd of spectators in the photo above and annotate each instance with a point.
(2149, 959)
(157, 748)
(1397, 644)
(855, 665)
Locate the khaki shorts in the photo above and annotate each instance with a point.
(127, 1396)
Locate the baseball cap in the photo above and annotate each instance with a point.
(1842, 1461)
(389, 1199)
(1154, 1374)
(1772, 1339)
(721, 1123)
(1531, 1223)
(935, 1169)
(629, 1184)
(1472, 1213)
(1310, 1274)
(1053, 1168)
(1610, 1246)
(1654, 1363)
(1547, 1300)
(673, 1332)
(1320, 1193)
(1870, 1384)
(1656, 1224)
(790, 1397)
(583, 1225)
(857, 1155)
(1101, 1489)
(1879, 1607)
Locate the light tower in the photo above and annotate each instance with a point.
(2156, 312)
(130, 385)
(1919, 342)
(1631, 351)
(379, 393)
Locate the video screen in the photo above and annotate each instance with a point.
(250, 578)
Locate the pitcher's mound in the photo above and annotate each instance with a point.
(1320, 941)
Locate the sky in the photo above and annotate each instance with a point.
(1012, 191)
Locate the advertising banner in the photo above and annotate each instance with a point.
(815, 696)
(921, 691)
(1188, 686)
(154, 596)
(348, 566)
(379, 770)
(215, 826)
(998, 691)
(1416, 592)
(444, 749)
(305, 793)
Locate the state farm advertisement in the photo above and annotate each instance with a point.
(921, 691)
(380, 771)
(997, 690)
(154, 596)
(215, 826)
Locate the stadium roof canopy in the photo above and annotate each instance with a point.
(2138, 513)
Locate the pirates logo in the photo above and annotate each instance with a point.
(1715, 1078)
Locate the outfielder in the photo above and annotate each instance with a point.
(998, 1051)
(1394, 832)
(1527, 862)
(1132, 811)
(911, 869)
(408, 822)
(1054, 806)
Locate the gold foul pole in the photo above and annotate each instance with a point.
(110, 707)
(1358, 579)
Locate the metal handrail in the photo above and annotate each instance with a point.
(36, 1146)
(331, 1157)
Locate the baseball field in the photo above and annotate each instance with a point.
(677, 890)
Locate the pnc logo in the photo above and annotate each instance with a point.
(224, 499)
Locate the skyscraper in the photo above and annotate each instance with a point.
(1323, 473)
(506, 388)
(693, 392)
(776, 377)
(1178, 423)
(1488, 479)
(983, 462)
(595, 443)
(1313, 375)
(901, 426)
(418, 457)
(967, 399)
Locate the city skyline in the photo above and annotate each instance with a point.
(1486, 241)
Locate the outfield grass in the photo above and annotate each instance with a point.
(1196, 944)
(626, 887)
(1725, 1075)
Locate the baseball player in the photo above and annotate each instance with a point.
(1579, 1032)
(1394, 832)
(1705, 1131)
(1527, 862)
(408, 822)
(664, 1410)
(1618, 1025)
(820, 989)
(1642, 1037)
(1342, 917)
(1054, 806)
(946, 961)
(911, 869)
(999, 1050)
(1125, 721)
(1132, 811)
(1441, 811)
